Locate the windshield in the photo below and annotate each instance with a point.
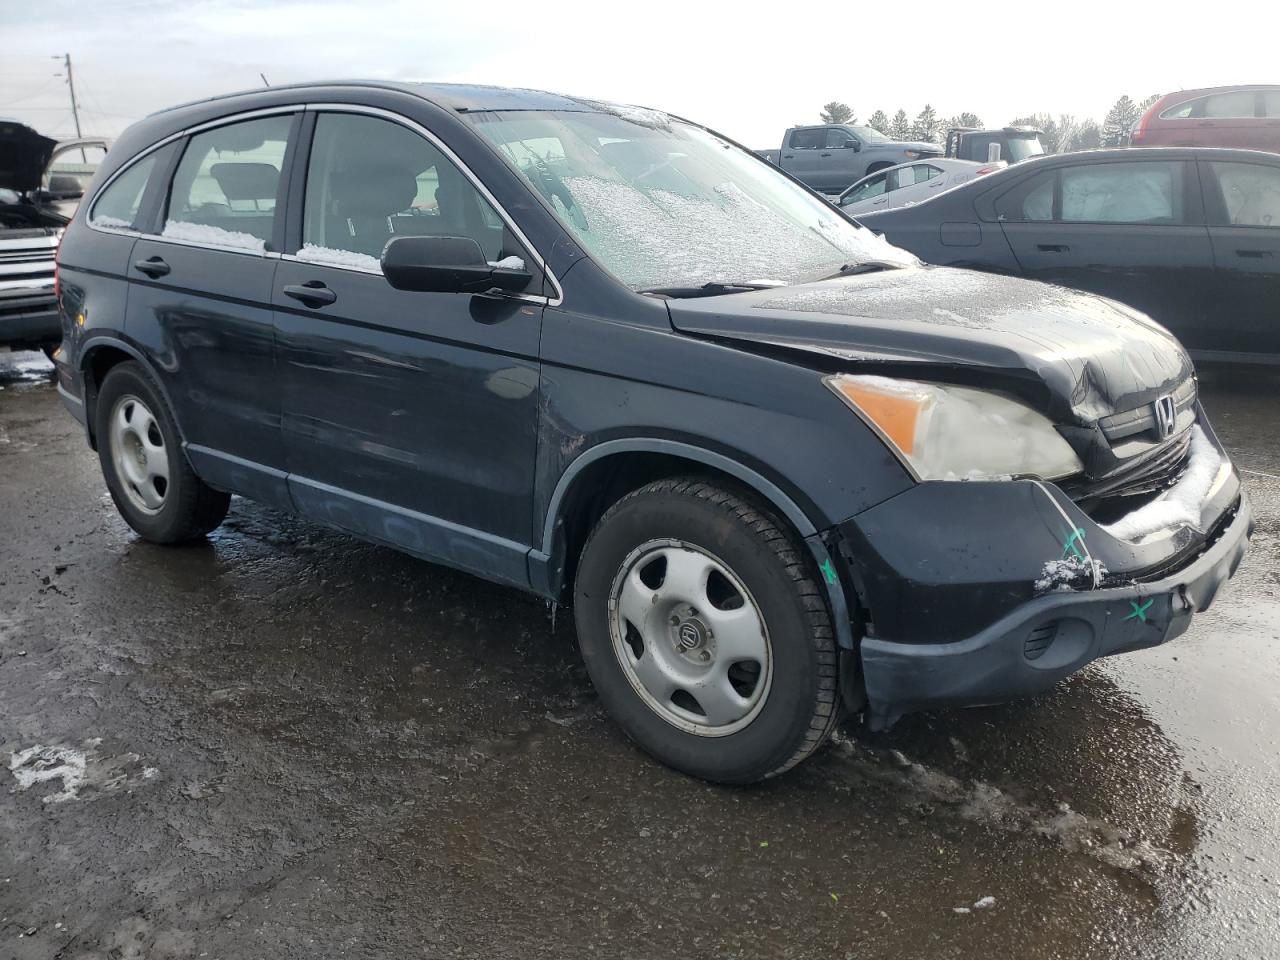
(1022, 147)
(664, 204)
(869, 134)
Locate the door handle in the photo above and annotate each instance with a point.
(1053, 247)
(153, 267)
(1256, 254)
(788, 156)
(826, 154)
(313, 293)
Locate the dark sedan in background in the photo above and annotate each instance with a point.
(1190, 236)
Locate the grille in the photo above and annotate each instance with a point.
(1039, 640)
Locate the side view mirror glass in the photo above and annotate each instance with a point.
(448, 265)
(853, 145)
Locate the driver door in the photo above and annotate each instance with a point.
(408, 418)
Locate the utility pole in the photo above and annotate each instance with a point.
(71, 85)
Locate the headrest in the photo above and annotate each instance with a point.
(246, 181)
(373, 191)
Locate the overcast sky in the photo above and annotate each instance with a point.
(749, 70)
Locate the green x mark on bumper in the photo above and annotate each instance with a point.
(1139, 611)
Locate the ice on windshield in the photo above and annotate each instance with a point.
(675, 206)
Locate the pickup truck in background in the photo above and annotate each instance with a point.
(1010, 144)
(830, 157)
(41, 182)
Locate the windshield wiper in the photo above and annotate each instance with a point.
(864, 266)
(713, 289)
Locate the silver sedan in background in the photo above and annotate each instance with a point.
(910, 183)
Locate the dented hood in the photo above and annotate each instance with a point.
(24, 154)
(1083, 356)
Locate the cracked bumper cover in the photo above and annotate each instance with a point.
(956, 618)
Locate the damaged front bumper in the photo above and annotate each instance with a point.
(961, 612)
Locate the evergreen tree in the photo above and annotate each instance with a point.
(926, 127)
(900, 129)
(837, 112)
(879, 122)
(965, 119)
(1121, 119)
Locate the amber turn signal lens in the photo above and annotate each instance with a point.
(896, 415)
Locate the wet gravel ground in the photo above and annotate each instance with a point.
(285, 743)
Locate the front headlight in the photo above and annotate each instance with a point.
(911, 154)
(946, 432)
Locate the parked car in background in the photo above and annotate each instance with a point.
(911, 183)
(1015, 144)
(41, 182)
(829, 157)
(1247, 117)
(1188, 236)
(520, 334)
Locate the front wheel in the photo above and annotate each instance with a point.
(705, 633)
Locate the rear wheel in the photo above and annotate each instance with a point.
(150, 480)
(705, 633)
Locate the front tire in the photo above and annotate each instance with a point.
(705, 633)
(148, 475)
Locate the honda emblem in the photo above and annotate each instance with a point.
(1166, 413)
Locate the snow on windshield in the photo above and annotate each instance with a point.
(663, 204)
(658, 238)
(655, 119)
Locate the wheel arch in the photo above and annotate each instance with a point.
(601, 475)
(97, 357)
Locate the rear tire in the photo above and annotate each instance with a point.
(703, 628)
(140, 450)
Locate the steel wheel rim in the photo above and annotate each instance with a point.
(138, 454)
(692, 642)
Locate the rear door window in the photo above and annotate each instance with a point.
(226, 188)
(1149, 192)
(1250, 194)
(810, 139)
(1271, 104)
(370, 180)
(1032, 199)
(118, 205)
(1231, 105)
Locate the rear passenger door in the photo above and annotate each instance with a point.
(200, 299)
(1242, 206)
(409, 418)
(1131, 230)
(800, 155)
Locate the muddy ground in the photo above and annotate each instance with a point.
(285, 743)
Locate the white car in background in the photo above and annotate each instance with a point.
(910, 183)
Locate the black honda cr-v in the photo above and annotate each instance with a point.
(777, 466)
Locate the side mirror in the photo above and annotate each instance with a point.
(853, 145)
(447, 265)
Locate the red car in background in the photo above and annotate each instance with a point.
(1244, 117)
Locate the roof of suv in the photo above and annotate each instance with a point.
(462, 97)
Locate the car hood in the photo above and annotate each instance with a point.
(24, 155)
(1079, 357)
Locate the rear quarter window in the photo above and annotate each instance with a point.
(119, 204)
